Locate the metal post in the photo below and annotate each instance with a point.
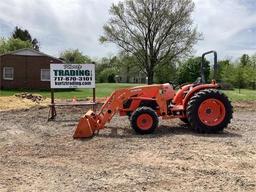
(94, 98)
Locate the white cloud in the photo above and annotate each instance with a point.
(59, 24)
(229, 26)
(226, 25)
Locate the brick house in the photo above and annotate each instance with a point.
(26, 68)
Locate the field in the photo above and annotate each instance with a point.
(102, 90)
(244, 95)
(105, 89)
(37, 155)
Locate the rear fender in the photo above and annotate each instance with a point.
(196, 89)
(180, 95)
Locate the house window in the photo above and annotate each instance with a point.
(45, 74)
(8, 73)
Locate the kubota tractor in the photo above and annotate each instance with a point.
(201, 105)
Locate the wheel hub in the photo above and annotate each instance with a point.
(211, 112)
(208, 111)
(144, 121)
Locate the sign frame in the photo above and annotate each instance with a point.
(52, 111)
(72, 76)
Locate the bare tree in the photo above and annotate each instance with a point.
(152, 30)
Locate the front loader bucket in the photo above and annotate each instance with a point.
(86, 126)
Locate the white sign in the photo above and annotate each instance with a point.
(65, 76)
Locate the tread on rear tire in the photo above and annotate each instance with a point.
(193, 109)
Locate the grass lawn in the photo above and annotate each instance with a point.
(102, 90)
(244, 95)
(105, 89)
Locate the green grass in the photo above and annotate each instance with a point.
(244, 95)
(102, 90)
(105, 89)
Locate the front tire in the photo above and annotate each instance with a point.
(144, 120)
(209, 111)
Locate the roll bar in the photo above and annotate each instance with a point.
(215, 65)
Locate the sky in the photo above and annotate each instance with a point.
(228, 26)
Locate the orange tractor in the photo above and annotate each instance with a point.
(201, 105)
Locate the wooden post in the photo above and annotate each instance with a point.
(53, 110)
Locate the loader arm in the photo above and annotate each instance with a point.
(112, 105)
(92, 122)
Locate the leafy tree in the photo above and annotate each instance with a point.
(223, 65)
(127, 66)
(1, 41)
(123, 65)
(244, 73)
(152, 30)
(240, 76)
(74, 56)
(166, 72)
(190, 70)
(12, 44)
(24, 35)
(245, 60)
(100, 66)
(226, 72)
(253, 70)
(108, 75)
(106, 69)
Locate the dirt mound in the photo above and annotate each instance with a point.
(33, 97)
(17, 103)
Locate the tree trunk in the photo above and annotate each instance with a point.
(128, 75)
(150, 77)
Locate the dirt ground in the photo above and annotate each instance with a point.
(36, 155)
(13, 102)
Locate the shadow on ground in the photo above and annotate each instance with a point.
(161, 131)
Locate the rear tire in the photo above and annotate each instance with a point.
(144, 120)
(209, 111)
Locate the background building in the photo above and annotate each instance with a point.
(26, 68)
